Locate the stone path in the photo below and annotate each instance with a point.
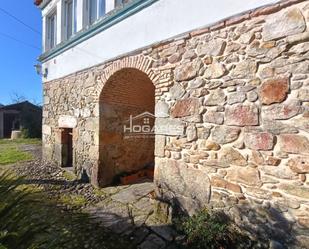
(126, 210)
(130, 211)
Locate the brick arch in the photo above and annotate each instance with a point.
(159, 77)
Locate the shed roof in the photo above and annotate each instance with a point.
(20, 106)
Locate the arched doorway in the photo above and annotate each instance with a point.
(126, 112)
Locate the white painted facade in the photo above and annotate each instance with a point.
(161, 20)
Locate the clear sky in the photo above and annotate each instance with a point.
(16, 64)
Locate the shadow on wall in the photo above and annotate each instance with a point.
(258, 225)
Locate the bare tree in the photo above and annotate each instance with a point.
(17, 98)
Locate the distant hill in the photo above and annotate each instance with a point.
(1, 105)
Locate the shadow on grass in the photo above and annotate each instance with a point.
(30, 220)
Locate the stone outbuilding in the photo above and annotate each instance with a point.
(22, 116)
(214, 94)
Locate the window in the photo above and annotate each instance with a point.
(120, 2)
(95, 10)
(51, 30)
(69, 18)
(92, 11)
(102, 8)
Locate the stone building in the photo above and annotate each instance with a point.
(22, 116)
(227, 82)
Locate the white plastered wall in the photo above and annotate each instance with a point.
(162, 20)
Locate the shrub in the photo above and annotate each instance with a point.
(210, 230)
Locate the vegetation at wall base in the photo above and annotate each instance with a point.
(210, 230)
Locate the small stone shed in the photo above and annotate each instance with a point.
(21, 116)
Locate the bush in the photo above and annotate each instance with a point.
(210, 230)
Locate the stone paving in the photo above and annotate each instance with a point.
(130, 210)
(126, 210)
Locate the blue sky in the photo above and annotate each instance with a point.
(16, 65)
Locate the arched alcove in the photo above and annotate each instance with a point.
(127, 100)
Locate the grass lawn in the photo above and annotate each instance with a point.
(20, 141)
(10, 152)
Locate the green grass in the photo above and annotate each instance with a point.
(69, 176)
(20, 141)
(30, 219)
(73, 200)
(11, 154)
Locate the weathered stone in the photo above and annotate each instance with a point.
(161, 109)
(159, 145)
(213, 117)
(273, 161)
(203, 132)
(242, 115)
(303, 95)
(277, 127)
(221, 183)
(191, 133)
(267, 72)
(294, 85)
(258, 193)
(295, 144)
(176, 91)
(237, 97)
(232, 157)
(257, 157)
(282, 111)
(225, 134)
(274, 91)
(252, 96)
(281, 172)
(245, 175)
(182, 180)
(214, 71)
(66, 121)
(214, 47)
(259, 141)
(185, 107)
(299, 165)
(213, 84)
(208, 60)
(190, 54)
(208, 145)
(196, 83)
(247, 38)
(216, 97)
(300, 48)
(279, 25)
(46, 130)
(186, 71)
(166, 126)
(300, 191)
(244, 69)
(304, 222)
(174, 58)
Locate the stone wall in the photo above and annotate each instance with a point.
(231, 118)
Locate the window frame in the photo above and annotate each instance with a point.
(89, 19)
(68, 33)
(51, 17)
